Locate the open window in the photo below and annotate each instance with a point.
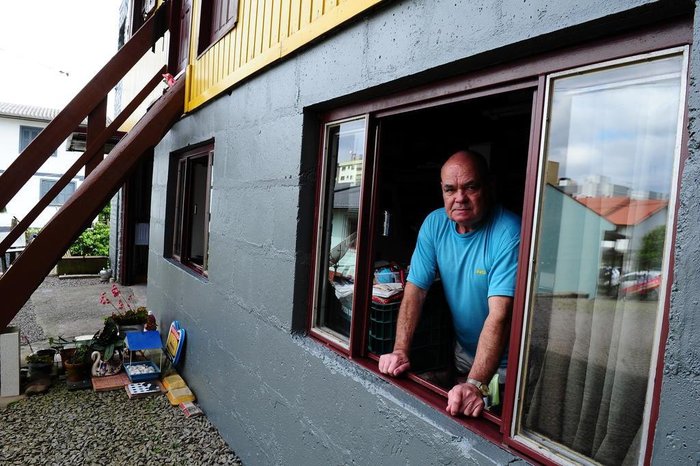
(402, 181)
(192, 174)
(589, 158)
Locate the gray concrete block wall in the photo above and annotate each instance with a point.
(677, 439)
(283, 398)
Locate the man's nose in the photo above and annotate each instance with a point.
(460, 196)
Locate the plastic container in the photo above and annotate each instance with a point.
(143, 341)
(133, 371)
(433, 341)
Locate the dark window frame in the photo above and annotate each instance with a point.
(179, 236)
(216, 19)
(520, 73)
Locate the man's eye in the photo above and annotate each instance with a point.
(472, 188)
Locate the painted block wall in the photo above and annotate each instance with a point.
(677, 439)
(277, 396)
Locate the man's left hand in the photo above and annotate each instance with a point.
(465, 398)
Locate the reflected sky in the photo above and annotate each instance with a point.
(351, 140)
(620, 123)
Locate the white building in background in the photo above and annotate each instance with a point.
(19, 124)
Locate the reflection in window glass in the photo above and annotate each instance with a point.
(345, 144)
(599, 261)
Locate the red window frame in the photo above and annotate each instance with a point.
(523, 73)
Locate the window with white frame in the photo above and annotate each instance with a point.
(589, 158)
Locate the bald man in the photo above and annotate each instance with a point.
(473, 243)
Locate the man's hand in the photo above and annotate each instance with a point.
(394, 363)
(464, 398)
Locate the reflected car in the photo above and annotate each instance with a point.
(643, 284)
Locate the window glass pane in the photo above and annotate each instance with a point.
(62, 197)
(609, 155)
(179, 207)
(199, 217)
(343, 182)
(26, 135)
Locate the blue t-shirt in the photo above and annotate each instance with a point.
(473, 267)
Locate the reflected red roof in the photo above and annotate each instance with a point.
(623, 210)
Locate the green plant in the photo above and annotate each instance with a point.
(36, 358)
(81, 355)
(94, 241)
(30, 233)
(652, 251)
(103, 216)
(58, 343)
(107, 340)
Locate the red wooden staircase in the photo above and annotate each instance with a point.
(103, 177)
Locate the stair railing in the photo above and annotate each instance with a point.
(91, 103)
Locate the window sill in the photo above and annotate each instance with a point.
(192, 270)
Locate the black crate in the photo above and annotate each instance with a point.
(433, 340)
(382, 321)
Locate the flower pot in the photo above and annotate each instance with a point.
(42, 369)
(66, 354)
(77, 372)
(130, 328)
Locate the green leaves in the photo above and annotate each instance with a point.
(93, 241)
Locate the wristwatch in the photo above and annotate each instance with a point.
(483, 388)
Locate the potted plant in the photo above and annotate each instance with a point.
(63, 347)
(40, 363)
(78, 364)
(127, 316)
(106, 348)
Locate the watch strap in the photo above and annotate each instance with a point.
(483, 388)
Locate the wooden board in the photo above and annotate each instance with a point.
(112, 382)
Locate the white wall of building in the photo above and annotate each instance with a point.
(52, 169)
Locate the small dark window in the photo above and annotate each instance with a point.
(46, 184)
(216, 19)
(190, 227)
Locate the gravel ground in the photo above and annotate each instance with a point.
(85, 427)
(26, 320)
(64, 427)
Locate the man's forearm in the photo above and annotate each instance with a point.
(492, 339)
(409, 314)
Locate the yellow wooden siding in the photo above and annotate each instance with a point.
(266, 31)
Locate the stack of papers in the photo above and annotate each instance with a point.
(386, 290)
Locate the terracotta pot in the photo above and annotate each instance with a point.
(77, 372)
